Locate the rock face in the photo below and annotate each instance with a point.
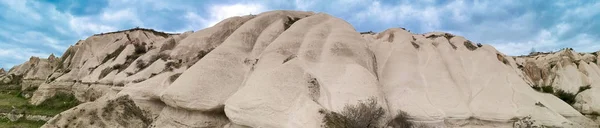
(281, 68)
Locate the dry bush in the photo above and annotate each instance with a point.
(105, 72)
(365, 114)
(400, 121)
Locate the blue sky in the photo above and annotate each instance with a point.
(514, 27)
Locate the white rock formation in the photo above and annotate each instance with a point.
(280, 68)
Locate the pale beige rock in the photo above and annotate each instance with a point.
(280, 68)
(221, 72)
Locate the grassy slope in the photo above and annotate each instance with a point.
(51, 107)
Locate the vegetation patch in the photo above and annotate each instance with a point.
(565, 96)
(158, 33)
(129, 112)
(524, 122)
(57, 103)
(174, 77)
(469, 45)
(583, 88)
(105, 72)
(140, 64)
(548, 89)
(50, 107)
(170, 66)
(21, 123)
(365, 114)
(114, 54)
(448, 36)
(169, 45)
(400, 121)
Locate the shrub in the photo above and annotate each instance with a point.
(170, 66)
(536, 88)
(105, 72)
(448, 36)
(61, 101)
(114, 54)
(525, 122)
(583, 88)
(119, 67)
(469, 45)
(548, 89)
(140, 64)
(139, 49)
(366, 114)
(168, 45)
(565, 96)
(174, 77)
(400, 121)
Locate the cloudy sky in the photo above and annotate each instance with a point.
(42, 27)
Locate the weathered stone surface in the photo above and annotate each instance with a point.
(280, 68)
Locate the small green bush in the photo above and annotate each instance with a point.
(366, 114)
(548, 89)
(55, 104)
(565, 96)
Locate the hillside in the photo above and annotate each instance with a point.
(294, 69)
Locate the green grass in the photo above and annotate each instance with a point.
(9, 99)
(5, 123)
(54, 105)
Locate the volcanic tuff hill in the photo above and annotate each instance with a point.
(284, 68)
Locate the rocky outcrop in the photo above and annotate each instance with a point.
(29, 75)
(286, 68)
(571, 76)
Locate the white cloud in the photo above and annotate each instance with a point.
(586, 11)
(22, 9)
(120, 16)
(85, 26)
(305, 4)
(221, 12)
